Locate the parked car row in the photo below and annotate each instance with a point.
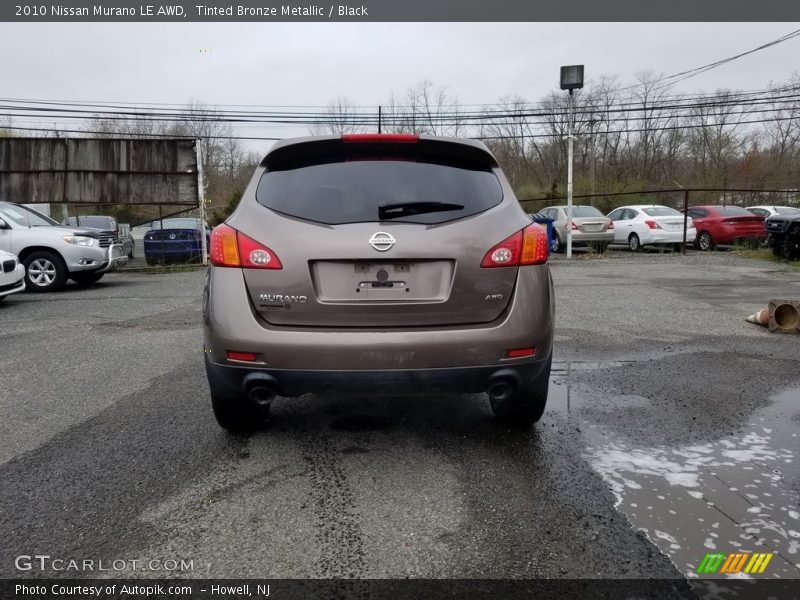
(635, 226)
(707, 226)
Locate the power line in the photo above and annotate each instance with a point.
(484, 137)
(442, 117)
(678, 77)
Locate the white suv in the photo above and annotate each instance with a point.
(52, 253)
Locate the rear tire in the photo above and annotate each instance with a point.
(45, 271)
(556, 247)
(634, 243)
(86, 278)
(705, 242)
(237, 414)
(526, 405)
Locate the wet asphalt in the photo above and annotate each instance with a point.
(671, 431)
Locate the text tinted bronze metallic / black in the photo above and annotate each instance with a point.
(361, 263)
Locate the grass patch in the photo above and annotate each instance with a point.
(765, 254)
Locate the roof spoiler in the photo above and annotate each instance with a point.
(318, 149)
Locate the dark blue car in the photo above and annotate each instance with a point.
(175, 240)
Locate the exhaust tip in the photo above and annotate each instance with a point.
(500, 390)
(260, 388)
(262, 396)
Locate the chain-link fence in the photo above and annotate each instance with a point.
(150, 235)
(689, 202)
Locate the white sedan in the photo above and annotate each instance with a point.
(12, 274)
(641, 225)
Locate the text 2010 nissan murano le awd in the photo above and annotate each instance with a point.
(369, 262)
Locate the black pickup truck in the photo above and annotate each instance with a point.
(784, 234)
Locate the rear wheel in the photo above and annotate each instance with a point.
(237, 414)
(524, 406)
(556, 247)
(705, 242)
(45, 271)
(86, 278)
(634, 243)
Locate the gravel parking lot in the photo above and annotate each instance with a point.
(671, 431)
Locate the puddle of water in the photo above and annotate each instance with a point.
(730, 495)
(564, 399)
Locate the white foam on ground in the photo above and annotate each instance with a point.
(627, 469)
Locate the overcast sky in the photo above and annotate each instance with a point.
(295, 64)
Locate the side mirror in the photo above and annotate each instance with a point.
(3, 224)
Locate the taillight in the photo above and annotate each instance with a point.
(402, 138)
(652, 224)
(526, 247)
(231, 248)
(255, 255)
(610, 224)
(573, 226)
(224, 251)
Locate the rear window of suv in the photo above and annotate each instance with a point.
(353, 190)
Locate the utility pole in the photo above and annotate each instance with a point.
(380, 117)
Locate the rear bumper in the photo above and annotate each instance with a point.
(236, 381)
(230, 324)
(580, 237)
(729, 235)
(657, 236)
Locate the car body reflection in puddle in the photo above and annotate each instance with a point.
(730, 495)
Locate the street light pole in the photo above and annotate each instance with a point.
(571, 79)
(569, 178)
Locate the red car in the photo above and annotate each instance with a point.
(725, 225)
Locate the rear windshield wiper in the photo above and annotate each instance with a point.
(404, 209)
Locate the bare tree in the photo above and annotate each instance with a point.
(340, 116)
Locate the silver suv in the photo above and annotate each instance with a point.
(378, 263)
(52, 253)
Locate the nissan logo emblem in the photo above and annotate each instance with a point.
(382, 241)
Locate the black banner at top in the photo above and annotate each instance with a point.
(67, 11)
